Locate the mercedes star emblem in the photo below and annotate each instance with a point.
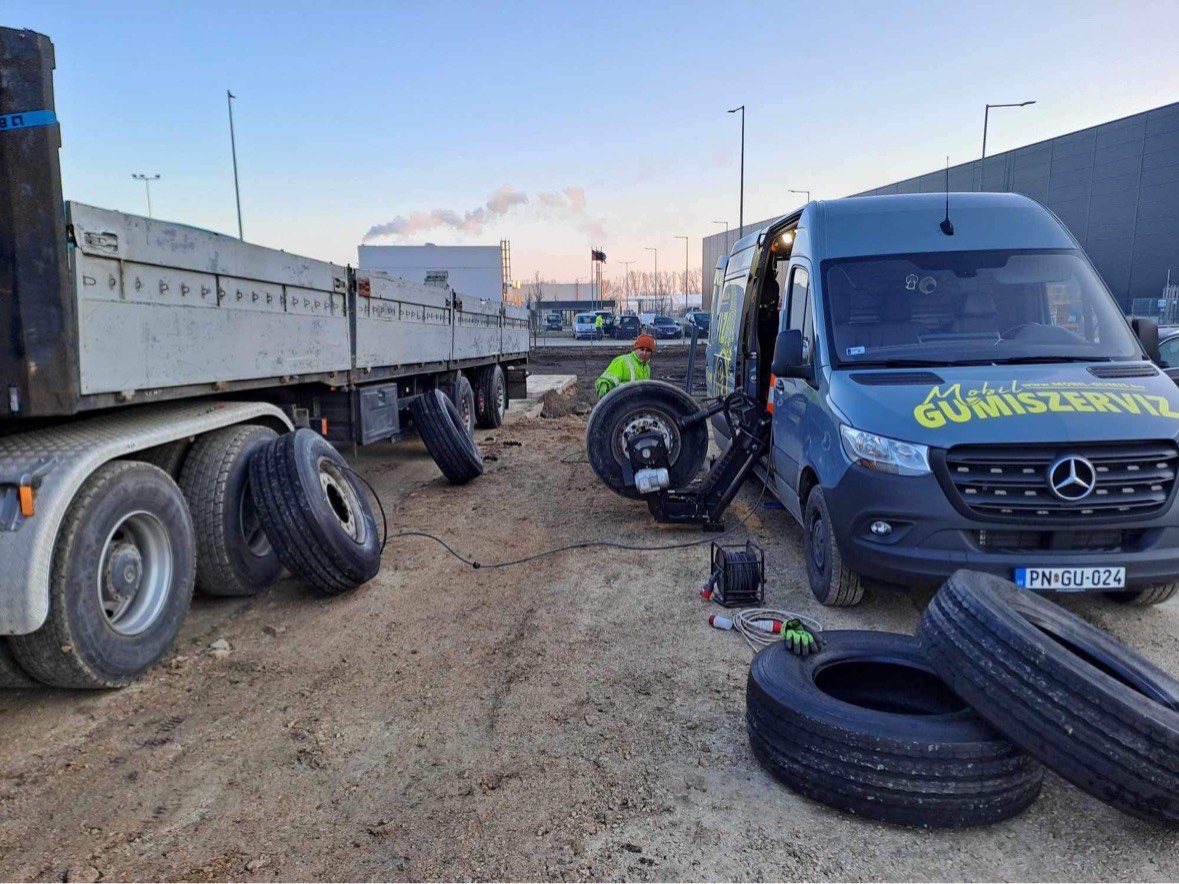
(1072, 478)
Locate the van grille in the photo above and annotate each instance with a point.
(1099, 540)
(1132, 480)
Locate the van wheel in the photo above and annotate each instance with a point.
(491, 397)
(123, 568)
(1142, 598)
(832, 582)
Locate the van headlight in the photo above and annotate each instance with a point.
(884, 454)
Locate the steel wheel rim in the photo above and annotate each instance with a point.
(135, 573)
(342, 500)
(501, 399)
(642, 421)
(819, 537)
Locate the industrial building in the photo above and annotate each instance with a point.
(474, 271)
(1115, 186)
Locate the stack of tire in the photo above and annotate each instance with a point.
(952, 728)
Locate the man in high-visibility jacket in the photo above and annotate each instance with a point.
(632, 366)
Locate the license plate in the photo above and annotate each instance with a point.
(1070, 579)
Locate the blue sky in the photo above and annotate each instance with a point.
(609, 117)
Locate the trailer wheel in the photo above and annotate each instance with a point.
(833, 583)
(122, 578)
(867, 726)
(447, 437)
(1142, 598)
(169, 457)
(234, 557)
(637, 407)
(491, 397)
(1090, 708)
(313, 512)
(464, 400)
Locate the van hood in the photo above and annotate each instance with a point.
(955, 405)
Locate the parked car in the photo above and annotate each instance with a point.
(698, 318)
(552, 322)
(609, 323)
(585, 327)
(664, 327)
(628, 328)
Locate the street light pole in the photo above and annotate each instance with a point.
(741, 214)
(229, 97)
(147, 180)
(685, 239)
(986, 118)
(807, 192)
(626, 284)
(726, 223)
(656, 251)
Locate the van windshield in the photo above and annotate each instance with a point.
(954, 308)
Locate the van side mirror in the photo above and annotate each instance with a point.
(788, 359)
(1147, 330)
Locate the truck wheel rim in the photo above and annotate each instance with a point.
(501, 404)
(645, 421)
(135, 573)
(253, 535)
(342, 499)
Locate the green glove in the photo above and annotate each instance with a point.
(799, 639)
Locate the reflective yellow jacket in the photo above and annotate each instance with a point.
(621, 370)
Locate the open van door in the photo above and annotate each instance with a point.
(714, 369)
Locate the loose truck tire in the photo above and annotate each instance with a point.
(491, 397)
(313, 512)
(866, 726)
(633, 408)
(169, 457)
(1090, 708)
(121, 581)
(446, 437)
(1142, 598)
(234, 557)
(832, 582)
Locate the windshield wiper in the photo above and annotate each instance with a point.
(1047, 360)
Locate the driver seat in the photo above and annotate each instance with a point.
(979, 314)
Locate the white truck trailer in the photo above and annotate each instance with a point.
(141, 363)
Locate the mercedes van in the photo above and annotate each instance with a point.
(952, 386)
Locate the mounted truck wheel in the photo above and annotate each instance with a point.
(234, 557)
(1090, 708)
(866, 726)
(491, 397)
(121, 583)
(464, 400)
(313, 512)
(832, 582)
(447, 437)
(638, 407)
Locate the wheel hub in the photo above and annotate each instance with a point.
(342, 499)
(819, 545)
(646, 422)
(123, 574)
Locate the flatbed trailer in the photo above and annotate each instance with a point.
(134, 340)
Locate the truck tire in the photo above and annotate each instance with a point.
(1142, 598)
(446, 437)
(464, 399)
(313, 513)
(491, 397)
(833, 583)
(234, 557)
(12, 677)
(1089, 707)
(128, 535)
(866, 726)
(169, 457)
(636, 407)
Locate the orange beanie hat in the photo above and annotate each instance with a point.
(644, 341)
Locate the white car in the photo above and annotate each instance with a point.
(585, 326)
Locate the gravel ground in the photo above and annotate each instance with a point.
(571, 718)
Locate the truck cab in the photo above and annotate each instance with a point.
(952, 386)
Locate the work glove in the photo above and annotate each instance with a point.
(602, 388)
(799, 639)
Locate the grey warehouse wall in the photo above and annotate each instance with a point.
(1116, 187)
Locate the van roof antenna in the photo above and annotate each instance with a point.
(947, 225)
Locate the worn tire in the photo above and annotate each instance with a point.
(79, 645)
(169, 457)
(867, 727)
(833, 583)
(1090, 708)
(644, 402)
(1143, 598)
(446, 437)
(12, 677)
(491, 397)
(314, 513)
(234, 557)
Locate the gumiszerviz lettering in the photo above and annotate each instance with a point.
(952, 404)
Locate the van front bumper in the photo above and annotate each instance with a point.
(930, 538)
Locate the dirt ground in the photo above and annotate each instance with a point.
(570, 718)
(588, 360)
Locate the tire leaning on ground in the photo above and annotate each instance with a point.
(1090, 708)
(637, 407)
(313, 512)
(832, 582)
(121, 581)
(491, 397)
(446, 437)
(234, 557)
(866, 726)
